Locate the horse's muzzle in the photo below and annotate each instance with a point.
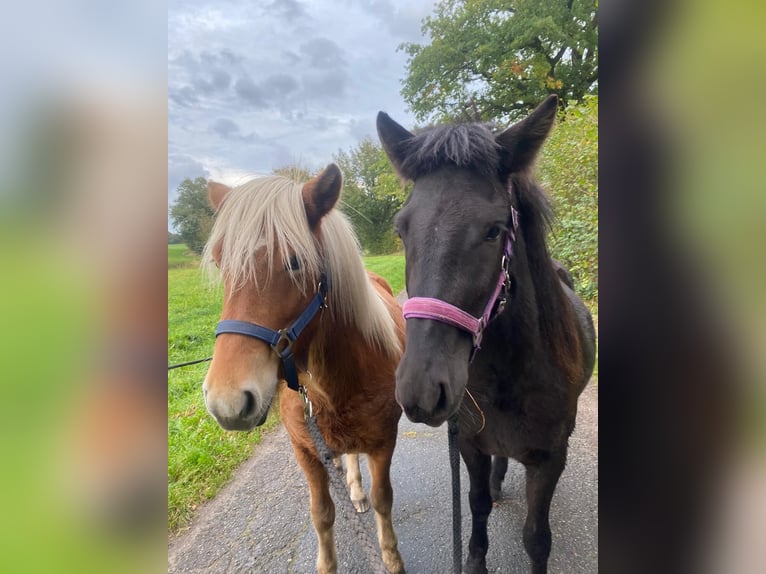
(241, 413)
(426, 397)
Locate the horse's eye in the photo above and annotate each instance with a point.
(493, 233)
(294, 264)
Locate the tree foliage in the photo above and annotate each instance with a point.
(568, 169)
(497, 59)
(296, 172)
(191, 213)
(372, 194)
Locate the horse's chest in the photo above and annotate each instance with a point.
(510, 428)
(354, 430)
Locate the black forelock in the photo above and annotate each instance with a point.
(467, 145)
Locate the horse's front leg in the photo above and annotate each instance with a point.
(354, 481)
(479, 466)
(499, 468)
(543, 473)
(382, 496)
(322, 510)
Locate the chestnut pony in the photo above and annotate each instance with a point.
(495, 333)
(280, 245)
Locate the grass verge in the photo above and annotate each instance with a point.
(389, 266)
(201, 455)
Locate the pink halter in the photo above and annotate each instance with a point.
(438, 310)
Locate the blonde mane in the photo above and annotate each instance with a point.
(266, 216)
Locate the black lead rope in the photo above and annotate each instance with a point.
(457, 519)
(338, 487)
(187, 363)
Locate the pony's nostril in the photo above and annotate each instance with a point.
(441, 404)
(249, 407)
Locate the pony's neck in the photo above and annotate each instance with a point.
(334, 359)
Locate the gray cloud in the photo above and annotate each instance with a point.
(230, 130)
(290, 10)
(250, 92)
(203, 75)
(291, 58)
(323, 53)
(327, 84)
(183, 96)
(404, 24)
(226, 128)
(278, 86)
(218, 81)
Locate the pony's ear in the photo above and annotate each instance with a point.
(216, 192)
(522, 141)
(321, 193)
(394, 139)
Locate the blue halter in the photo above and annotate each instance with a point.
(281, 341)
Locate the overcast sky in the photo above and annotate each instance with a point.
(256, 85)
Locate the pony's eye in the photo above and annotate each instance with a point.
(493, 233)
(294, 264)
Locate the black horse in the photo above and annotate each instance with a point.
(474, 231)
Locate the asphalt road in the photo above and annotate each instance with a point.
(259, 523)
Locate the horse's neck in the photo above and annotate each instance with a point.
(334, 359)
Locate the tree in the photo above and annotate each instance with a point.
(191, 213)
(296, 172)
(497, 59)
(372, 194)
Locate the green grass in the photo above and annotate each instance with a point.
(201, 455)
(389, 266)
(179, 256)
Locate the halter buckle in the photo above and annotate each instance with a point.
(284, 337)
(479, 332)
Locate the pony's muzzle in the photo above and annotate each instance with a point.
(237, 410)
(424, 395)
(433, 372)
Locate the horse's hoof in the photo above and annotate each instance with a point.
(496, 494)
(475, 566)
(362, 505)
(394, 564)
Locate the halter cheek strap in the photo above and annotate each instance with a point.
(281, 341)
(438, 310)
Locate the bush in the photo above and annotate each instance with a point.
(569, 172)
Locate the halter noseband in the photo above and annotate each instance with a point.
(438, 310)
(281, 341)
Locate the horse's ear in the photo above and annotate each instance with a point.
(321, 193)
(522, 141)
(216, 193)
(394, 138)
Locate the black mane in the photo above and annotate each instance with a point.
(463, 145)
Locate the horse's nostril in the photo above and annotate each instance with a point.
(249, 407)
(441, 404)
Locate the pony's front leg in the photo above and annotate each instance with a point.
(499, 468)
(479, 466)
(382, 495)
(322, 510)
(354, 481)
(542, 476)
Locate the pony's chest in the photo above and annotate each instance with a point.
(507, 425)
